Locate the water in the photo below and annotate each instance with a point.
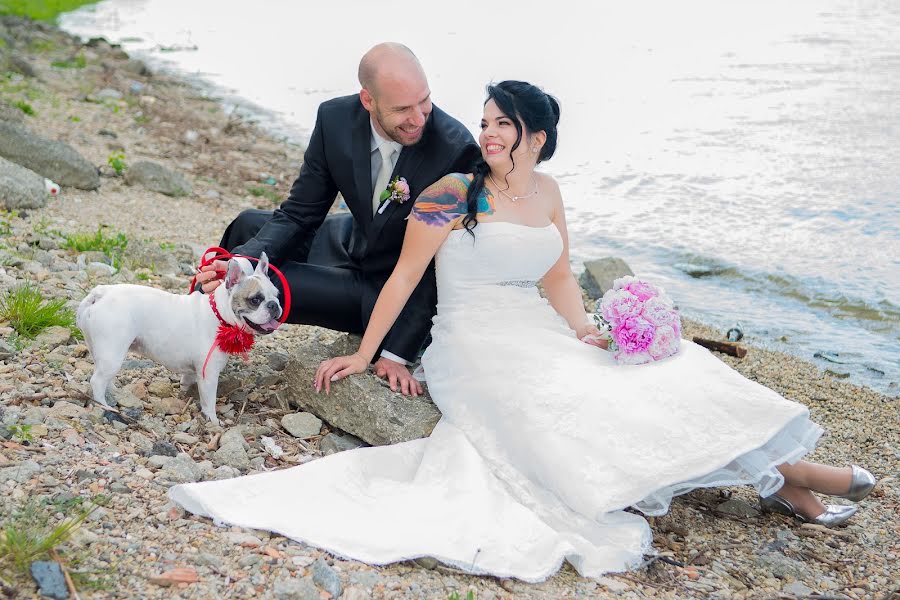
(755, 144)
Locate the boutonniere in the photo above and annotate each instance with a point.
(396, 191)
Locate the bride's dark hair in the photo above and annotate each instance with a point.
(524, 103)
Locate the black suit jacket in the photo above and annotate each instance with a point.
(338, 159)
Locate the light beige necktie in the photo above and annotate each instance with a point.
(384, 175)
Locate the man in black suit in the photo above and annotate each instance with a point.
(336, 266)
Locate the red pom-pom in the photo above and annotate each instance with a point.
(234, 340)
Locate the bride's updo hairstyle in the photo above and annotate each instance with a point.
(524, 103)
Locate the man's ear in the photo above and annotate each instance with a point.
(368, 101)
(262, 266)
(234, 274)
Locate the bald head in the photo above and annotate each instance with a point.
(389, 62)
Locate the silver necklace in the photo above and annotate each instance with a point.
(515, 198)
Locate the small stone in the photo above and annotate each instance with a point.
(737, 508)
(797, 589)
(231, 455)
(53, 337)
(244, 539)
(50, 579)
(302, 425)
(163, 449)
(614, 585)
(161, 388)
(21, 472)
(335, 442)
(278, 360)
(296, 589)
(185, 438)
(250, 560)
(125, 399)
(326, 578)
(144, 473)
(66, 410)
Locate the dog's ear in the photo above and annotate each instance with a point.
(234, 275)
(263, 265)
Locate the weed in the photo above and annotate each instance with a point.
(470, 595)
(29, 314)
(6, 218)
(265, 192)
(142, 276)
(73, 62)
(166, 246)
(21, 433)
(25, 107)
(29, 535)
(75, 118)
(113, 247)
(116, 160)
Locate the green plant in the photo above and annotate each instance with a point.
(75, 118)
(113, 247)
(44, 10)
(74, 62)
(259, 191)
(116, 160)
(29, 535)
(143, 276)
(25, 107)
(470, 595)
(6, 217)
(21, 433)
(29, 314)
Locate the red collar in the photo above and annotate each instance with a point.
(230, 339)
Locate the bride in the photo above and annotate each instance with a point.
(544, 439)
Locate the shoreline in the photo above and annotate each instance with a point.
(229, 164)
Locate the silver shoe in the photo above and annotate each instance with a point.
(861, 484)
(834, 515)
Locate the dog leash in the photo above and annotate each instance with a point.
(232, 339)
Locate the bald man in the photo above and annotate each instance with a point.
(336, 266)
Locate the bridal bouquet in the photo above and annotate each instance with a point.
(641, 321)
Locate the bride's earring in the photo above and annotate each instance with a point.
(534, 149)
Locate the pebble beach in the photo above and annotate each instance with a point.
(59, 451)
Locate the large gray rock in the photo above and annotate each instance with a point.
(55, 160)
(157, 178)
(21, 472)
(598, 275)
(361, 405)
(20, 187)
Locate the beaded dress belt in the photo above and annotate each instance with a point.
(522, 283)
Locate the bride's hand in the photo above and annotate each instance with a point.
(590, 334)
(338, 368)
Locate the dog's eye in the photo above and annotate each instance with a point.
(256, 300)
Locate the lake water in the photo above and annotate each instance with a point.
(745, 156)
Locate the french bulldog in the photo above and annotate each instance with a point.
(175, 330)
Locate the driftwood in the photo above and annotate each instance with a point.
(723, 347)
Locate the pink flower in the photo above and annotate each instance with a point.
(619, 304)
(665, 343)
(403, 187)
(659, 312)
(633, 335)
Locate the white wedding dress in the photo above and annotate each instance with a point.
(544, 440)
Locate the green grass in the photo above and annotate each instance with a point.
(116, 160)
(31, 534)
(265, 192)
(75, 62)
(25, 107)
(113, 247)
(42, 10)
(6, 218)
(29, 313)
(470, 595)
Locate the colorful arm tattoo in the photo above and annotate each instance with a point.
(445, 200)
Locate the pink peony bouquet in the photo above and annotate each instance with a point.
(641, 321)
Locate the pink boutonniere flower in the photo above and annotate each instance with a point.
(396, 191)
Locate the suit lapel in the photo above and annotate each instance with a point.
(362, 166)
(407, 165)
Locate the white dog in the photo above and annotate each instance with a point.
(176, 331)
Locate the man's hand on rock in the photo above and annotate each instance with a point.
(397, 375)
